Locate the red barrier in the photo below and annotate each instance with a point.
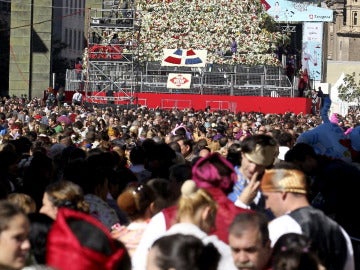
(200, 102)
(233, 103)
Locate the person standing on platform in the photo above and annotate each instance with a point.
(79, 73)
(303, 84)
(314, 101)
(77, 98)
(78, 69)
(320, 95)
(60, 97)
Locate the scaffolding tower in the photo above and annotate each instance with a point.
(111, 56)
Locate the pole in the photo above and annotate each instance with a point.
(53, 80)
(31, 49)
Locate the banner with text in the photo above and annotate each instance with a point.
(294, 11)
(311, 55)
(179, 81)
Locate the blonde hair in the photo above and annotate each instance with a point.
(24, 201)
(194, 199)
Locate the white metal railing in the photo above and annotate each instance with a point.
(242, 83)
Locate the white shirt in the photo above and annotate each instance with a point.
(226, 261)
(77, 96)
(282, 151)
(155, 229)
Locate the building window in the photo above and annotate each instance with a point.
(355, 18)
(66, 36)
(65, 7)
(75, 41)
(70, 38)
(79, 40)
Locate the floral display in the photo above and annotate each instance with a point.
(214, 25)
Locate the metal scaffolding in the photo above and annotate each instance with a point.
(111, 55)
(112, 72)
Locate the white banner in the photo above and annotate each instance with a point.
(312, 47)
(179, 81)
(180, 57)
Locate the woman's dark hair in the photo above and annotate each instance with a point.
(293, 241)
(185, 252)
(294, 260)
(40, 225)
(293, 251)
(234, 154)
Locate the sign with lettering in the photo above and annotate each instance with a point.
(179, 81)
(294, 11)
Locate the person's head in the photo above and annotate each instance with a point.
(163, 194)
(182, 252)
(295, 260)
(186, 146)
(175, 146)
(284, 188)
(244, 126)
(249, 241)
(137, 201)
(24, 201)
(292, 241)
(214, 171)
(63, 194)
(137, 155)
(113, 133)
(119, 179)
(292, 251)
(179, 173)
(304, 156)
(14, 233)
(234, 154)
(159, 158)
(197, 206)
(204, 151)
(258, 152)
(286, 139)
(40, 225)
(88, 242)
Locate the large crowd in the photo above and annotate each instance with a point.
(106, 186)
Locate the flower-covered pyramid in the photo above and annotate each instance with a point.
(213, 25)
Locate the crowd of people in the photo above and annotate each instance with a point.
(90, 186)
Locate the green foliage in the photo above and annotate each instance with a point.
(349, 91)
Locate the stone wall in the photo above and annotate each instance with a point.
(30, 55)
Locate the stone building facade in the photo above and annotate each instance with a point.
(343, 36)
